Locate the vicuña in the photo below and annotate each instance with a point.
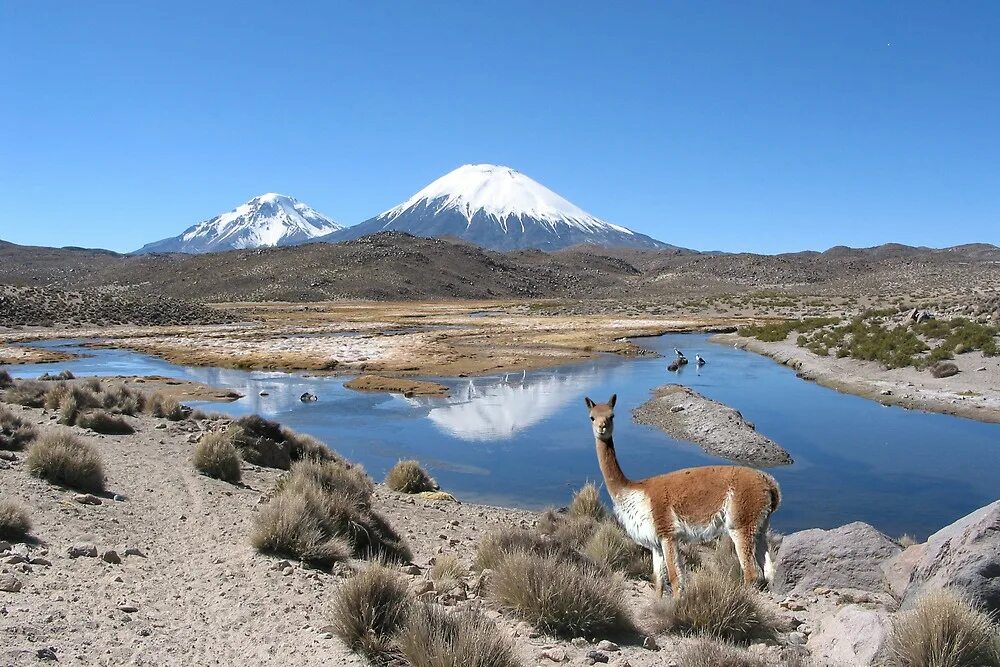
(693, 505)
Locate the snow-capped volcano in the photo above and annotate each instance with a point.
(496, 207)
(265, 221)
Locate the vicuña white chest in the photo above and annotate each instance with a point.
(636, 516)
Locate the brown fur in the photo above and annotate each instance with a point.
(693, 496)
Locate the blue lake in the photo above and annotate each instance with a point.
(524, 439)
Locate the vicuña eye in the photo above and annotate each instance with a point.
(591, 419)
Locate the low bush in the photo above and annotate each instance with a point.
(496, 546)
(587, 502)
(447, 572)
(345, 479)
(302, 447)
(165, 407)
(28, 393)
(15, 433)
(100, 421)
(433, 637)
(292, 525)
(708, 653)
(123, 400)
(560, 596)
(944, 369)
(944, 630)
(369, 610)
(715, 604)
(61, 375)
(61, 458)
(611, 547)
(5, 379)
(216, 457)
(15, 522)
(409, 477)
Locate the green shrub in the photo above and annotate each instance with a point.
(61, 458)
(560, 596)
(433, 637)
(15, 433)
(944, 630)
(369, 610)
(216, 457)
(409, 477)
(15, 522)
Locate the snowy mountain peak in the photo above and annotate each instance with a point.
(501, 193)
(267, 220)
(500, 208)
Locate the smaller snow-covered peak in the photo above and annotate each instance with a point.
(267, 220)
(500, 193)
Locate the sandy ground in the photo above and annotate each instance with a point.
(684, 414)
(199, 594)
(973, 393)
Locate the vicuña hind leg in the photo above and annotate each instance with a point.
(745, 541)
(657, 572)
(672, 559)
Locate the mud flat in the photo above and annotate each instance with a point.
(684, 414)
(12, 355)
(973, 393)
(397, 386)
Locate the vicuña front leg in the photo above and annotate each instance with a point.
(745, 541)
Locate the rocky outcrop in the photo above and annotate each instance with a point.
(684, 414)
(964, 556)
(848, 557)
(853, 636)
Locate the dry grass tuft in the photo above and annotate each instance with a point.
(15, 433)
(320, 504)
(434, 637)
(409, 477)
(496, 546)
(62, 458)
(15, 522)
(587, 502)
(906, 540)
(123, 400)
(216, 456)
(26, 392)
(100, 421)
(369, 610)
(560, 596)
(302, 447)
(708, 653)
(716, 605)
(165, 407)
(611, 547)
(447, 572)
(944, 630)
(5, 379)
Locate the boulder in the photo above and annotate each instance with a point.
(847, 557)
(852, 636)
(964, 556)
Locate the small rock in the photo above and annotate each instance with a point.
(15, 559)
(134, 551)
(46, 654)
(4, 545)
(597, 656)
(118, 498)
(161, 426)
(111, 556)
(608, 646)
(422, 586)
(649, 643)
(886, 392)
(411, 569)
(796, 638)
(554, 654)
(9, 583)
(579, 642)
(677, 408)
(82, 549)
(38, 560)
(128, 608)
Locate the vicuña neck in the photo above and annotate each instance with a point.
(614, 478)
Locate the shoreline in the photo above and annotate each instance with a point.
(971, 394)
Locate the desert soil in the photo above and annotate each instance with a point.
(684, 414)
(195, 592)
(973, 393)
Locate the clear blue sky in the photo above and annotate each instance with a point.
(740, 126)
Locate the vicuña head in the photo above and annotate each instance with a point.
(689, 505)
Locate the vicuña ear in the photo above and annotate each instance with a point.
(589, 402)
(611, 401)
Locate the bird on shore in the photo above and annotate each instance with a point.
(698, 360)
